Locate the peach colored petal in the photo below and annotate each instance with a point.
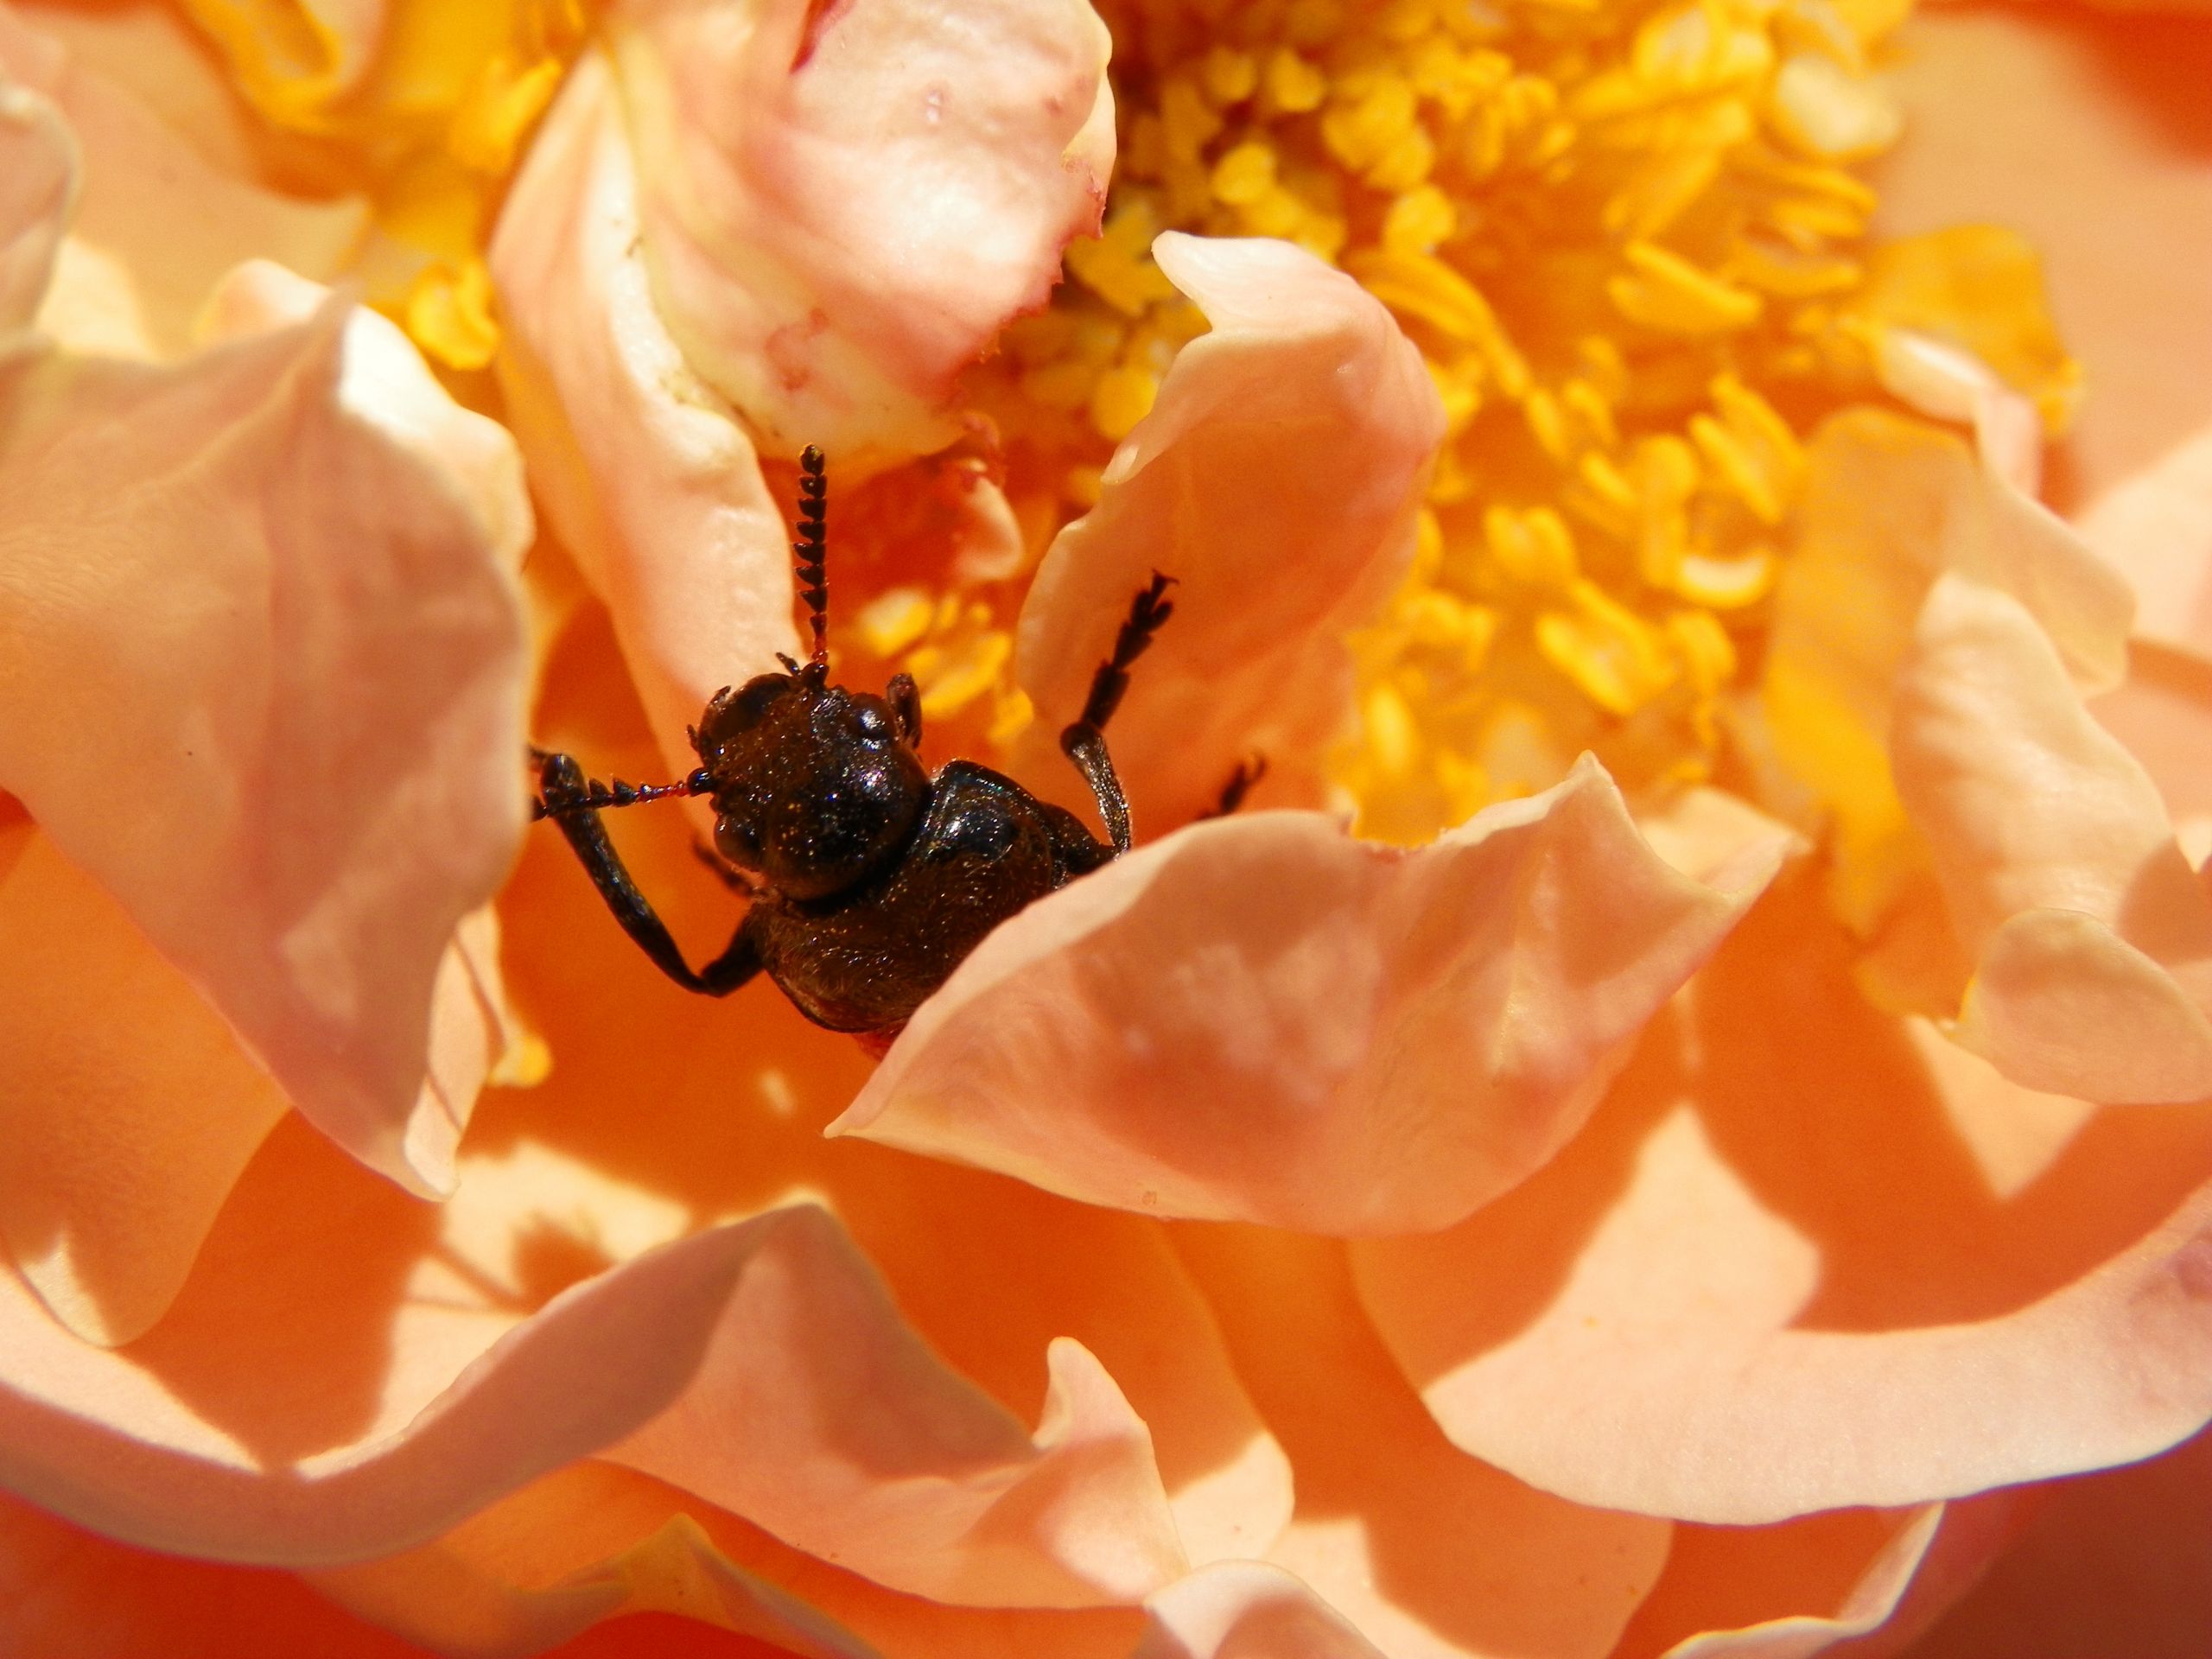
(1765, 1280)
(1429, 1553)
(641, 469)
(442, 1597)
(2155, 527)
(66, 1594)
(1276, 480)
(843, 205)
(131, 1111)
(1243, 1610)
(155, 224)
(2107, 182)
(300, 640)
(38, 187)
(593, 1540)
(928, 1487)
(1935, 1557)
(2115, 1562)
(2163, 713)
(285, 1412)
(2094, 932)
(1891, 1571)
(1262, 1019)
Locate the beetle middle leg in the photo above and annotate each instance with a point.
(573, 802)
(1083, 740)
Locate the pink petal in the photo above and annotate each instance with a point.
(299, 639)
(1277, 479)
(641, 469)
(1427, 1552)
(1257, 964)
(1243, 1610)
(1767, 1279)
(843, 205)
(2107, 182)
(156, 226)
(2094, 934)
(132, 1110)
(38, 181)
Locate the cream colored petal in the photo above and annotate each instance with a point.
(843, 205)
(1768, 1278)
(299, 637)
(1276, 480)
(157, 224)
(38, 188)
(1380, 1040)
(643, 471)
(1892, 504)
(130, 1109)
(2059, 865)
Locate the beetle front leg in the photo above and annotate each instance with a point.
(1084, 739)
(567, 797)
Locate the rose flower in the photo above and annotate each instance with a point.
(1677, 1103)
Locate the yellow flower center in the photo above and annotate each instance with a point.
(1630, 243)
(426, 120)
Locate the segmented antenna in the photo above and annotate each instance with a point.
(813, 578)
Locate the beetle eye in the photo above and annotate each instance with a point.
(872, 723)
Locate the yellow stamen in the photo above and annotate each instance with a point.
(1630, 239)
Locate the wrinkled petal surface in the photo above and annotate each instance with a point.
(140, 257)
(300, 637)
(843, 205)
(1276, 480)
(1261, 1019)
(1806, 1256)
(642, 469)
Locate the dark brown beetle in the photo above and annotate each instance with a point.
(870, 879)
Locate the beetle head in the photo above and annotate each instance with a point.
(815, 788)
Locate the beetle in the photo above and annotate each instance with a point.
(870, 878)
